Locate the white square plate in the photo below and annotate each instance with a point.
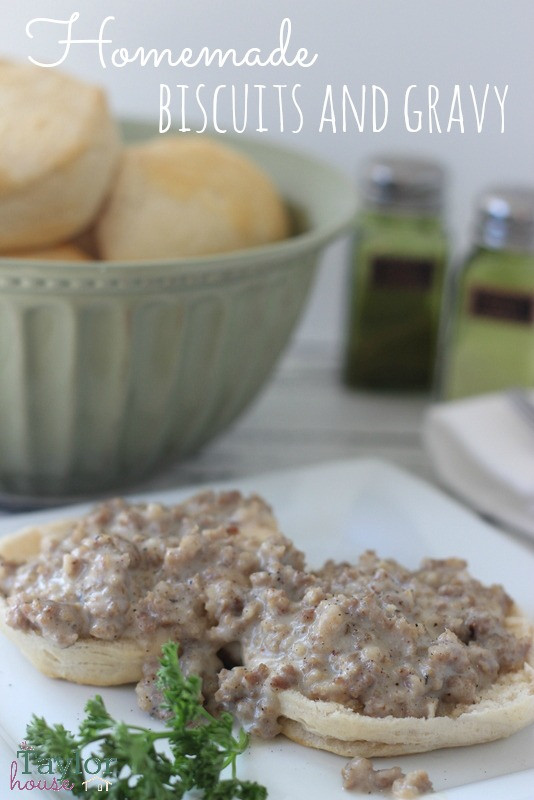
(334, 510)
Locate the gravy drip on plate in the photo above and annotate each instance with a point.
(360, 775)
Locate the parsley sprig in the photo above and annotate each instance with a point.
(200, 746)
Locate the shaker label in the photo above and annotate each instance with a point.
(503, 305)
(396, 272)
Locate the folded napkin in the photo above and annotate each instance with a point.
(483, 450)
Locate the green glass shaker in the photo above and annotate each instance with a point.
(398, 266)
(489, 340)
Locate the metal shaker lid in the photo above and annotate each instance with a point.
(505, 219)
(404, 185)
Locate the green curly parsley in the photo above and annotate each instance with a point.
(201, 746)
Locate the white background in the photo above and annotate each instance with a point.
(390, 43)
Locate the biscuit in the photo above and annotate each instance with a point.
(185, 196)
(58, 151)
(502, 709)
(109, 662)
(93, 661)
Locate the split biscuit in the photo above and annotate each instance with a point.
(87, 661)
(502, 709)
(215, 530)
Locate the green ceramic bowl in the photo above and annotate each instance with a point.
(109, 370)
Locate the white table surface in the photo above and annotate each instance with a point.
(305, 415)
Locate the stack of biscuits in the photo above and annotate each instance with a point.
(70, 189)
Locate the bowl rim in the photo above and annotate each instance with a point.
(243, 260)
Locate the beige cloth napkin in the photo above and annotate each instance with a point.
(483, 450)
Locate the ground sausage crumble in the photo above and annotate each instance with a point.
(359, 775)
